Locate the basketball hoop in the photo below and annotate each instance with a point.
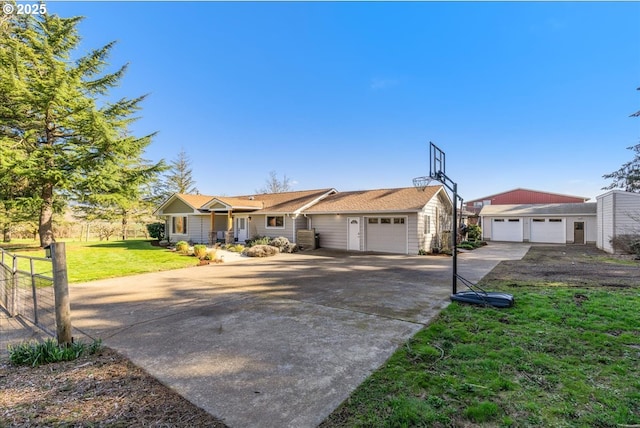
(421, 183)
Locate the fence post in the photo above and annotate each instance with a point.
(34, 292)
(12, 307)
(61, 293)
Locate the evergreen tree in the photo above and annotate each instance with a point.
(58, 130)
(178, 178)
(628, 176)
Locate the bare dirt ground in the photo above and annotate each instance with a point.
(106, 389)
(100, 390)
(575, 265)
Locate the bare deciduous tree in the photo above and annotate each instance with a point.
(275, 185)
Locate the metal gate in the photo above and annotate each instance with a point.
(26, 289)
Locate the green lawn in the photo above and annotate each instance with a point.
(88, 261)
(562, 357)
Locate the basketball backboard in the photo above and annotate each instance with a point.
(437, 167)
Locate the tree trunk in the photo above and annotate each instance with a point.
(6, 233)
(45, 226)
(124, 226)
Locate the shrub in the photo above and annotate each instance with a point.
(182, 247)
(234, 248)
(283, 245)
(422, 252)
(466, 246)
(156, 230)
(261, 251)
(211, 255)
(37, 353)
(200, 251)
(629, 243)
(257, 240)
(474, 232)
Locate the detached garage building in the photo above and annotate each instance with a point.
(570, 223)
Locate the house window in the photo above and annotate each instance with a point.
(398, 220)
(385, 221)
(538, 220)
(498, 220)
(179, 225)
(275, 222)
(514, 220)
(555, 220)
(427, 224)
(373, 220)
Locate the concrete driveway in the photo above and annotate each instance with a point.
(276, 342)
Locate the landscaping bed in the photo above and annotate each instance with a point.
(103, 389)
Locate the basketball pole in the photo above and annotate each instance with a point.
(454, 238)
(476, 295)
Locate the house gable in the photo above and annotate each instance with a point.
(178, 206)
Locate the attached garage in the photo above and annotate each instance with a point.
(544, 223)
(386, 234)
(507, 229)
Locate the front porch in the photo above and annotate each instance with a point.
(221, 236)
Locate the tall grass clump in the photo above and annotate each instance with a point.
(37, 353)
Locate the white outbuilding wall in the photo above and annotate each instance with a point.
(618, 214)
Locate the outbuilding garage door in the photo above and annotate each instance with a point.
(506, 229)
(387, 234)
(548, 230)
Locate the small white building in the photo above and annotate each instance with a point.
(570, 223)
(618, 214)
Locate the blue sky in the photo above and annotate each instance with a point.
(349, 94)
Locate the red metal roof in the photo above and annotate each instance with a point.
(527, 196)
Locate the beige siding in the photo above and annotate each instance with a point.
(301, 223)
(421, 240)
(177, 207)
(414, 233)
(332, 229)
(258, 227)
(197, 230)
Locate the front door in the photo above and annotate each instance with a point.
(241, 229)
(578, 232)
(353, 242)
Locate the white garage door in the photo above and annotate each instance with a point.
(387, 234)
(506, 229)
(548, 230)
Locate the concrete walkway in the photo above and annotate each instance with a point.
(276, 342)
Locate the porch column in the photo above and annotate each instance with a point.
(228, 236)
(212, 230)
